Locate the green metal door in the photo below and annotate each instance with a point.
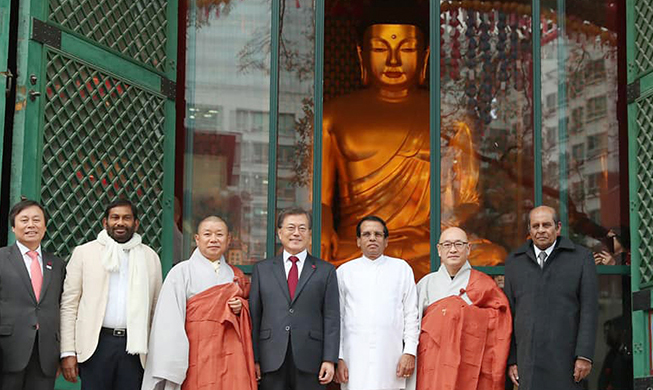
(640, 129)
(95, 115)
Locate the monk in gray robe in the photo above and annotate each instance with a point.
(201, 332)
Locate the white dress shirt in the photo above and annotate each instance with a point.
(547, 251)
(300, 264)
(115, 315)
(28, 260)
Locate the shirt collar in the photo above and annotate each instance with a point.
(378, 260)
(547, 250)
(23, 249)
(465, 268)
(301, 256)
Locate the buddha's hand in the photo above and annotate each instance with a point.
(328, 243)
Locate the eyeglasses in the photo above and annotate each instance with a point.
(291, 228)
(448, 244)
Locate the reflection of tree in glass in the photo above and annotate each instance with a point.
(205, 8)
(296, 59)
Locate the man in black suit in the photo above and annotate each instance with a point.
(295, 312)
(551, 285)
(31, 282)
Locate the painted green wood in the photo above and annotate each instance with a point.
(274, 116)
(537, 99)
(170, 66)
(630, 44)
(318, 98)
(646, 84)
(563, 210)
(171, 44)
(100, 57)
(640, 324)
(187, 204)
(434, 103)
(26, 146)
(167, 239)
(5, 12)
(639, 320)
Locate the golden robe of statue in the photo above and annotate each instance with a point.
(376, 156)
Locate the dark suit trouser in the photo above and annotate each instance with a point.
(111, 367)
(31, 378)
(289, 377)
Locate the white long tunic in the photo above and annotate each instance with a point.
(167, 360)
(378, 320)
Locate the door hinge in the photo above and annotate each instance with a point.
(632, 91)
(46, 34)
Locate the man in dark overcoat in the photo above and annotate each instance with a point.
(552, 288)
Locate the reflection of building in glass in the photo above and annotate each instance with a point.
(592, 130)
(228, 111)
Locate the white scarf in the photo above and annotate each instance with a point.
(138, 294)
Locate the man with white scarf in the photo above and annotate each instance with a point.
(110, 291)
(378, 315)
(465, 323)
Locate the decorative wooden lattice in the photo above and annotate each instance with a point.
(134, 28)
(644, 193)
(103, 139)
(644, 35)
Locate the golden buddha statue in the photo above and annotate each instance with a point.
(376, 156)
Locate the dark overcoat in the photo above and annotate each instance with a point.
(555, 314)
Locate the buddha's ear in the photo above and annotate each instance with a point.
(365, 80)
(425, 67)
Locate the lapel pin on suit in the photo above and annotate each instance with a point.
(48, 265)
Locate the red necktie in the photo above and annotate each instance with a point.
(36, 273)
(293, 276)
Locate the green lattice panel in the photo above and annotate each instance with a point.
(103, 139)
(645, 185)
(136, 28)
(644, 35)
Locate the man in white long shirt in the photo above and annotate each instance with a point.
(378, 315)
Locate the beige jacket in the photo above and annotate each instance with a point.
(85, 295)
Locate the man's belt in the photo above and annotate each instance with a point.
(117, 332)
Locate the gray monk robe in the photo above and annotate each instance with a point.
(168, 357)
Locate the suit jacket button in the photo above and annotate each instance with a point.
(287, 328)
(291, 311)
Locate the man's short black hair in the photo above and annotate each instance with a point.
(22, 205)
(119, 203)
(293, 211)
(372, 218)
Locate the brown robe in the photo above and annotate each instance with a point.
(220, 354)
(465, 347)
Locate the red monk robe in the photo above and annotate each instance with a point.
(465, 347)
(220, 343)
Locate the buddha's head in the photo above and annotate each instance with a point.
(393, 49)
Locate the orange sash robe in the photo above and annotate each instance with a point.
(465, 347)
(220, 343)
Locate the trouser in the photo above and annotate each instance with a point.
(111, 367)
(289, 377)
(31, 378)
